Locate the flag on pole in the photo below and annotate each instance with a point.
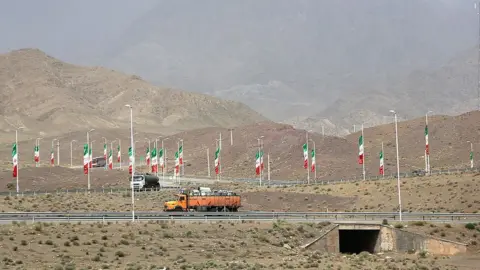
(360, 150)
(105, 152)
(36, 153)
(180, 151)
(15, 160)
(52, 158)
(313, 160)
(130, 160)
(217, 161)
(305, 156)
(90, 162)
(148, 156)
(261, 160)
(381, 170)
(119, 155)
(154, 161)
(160, 154)
(427, 148)
(177, 164)
(110, 160)
(257, 163)
(86, 159)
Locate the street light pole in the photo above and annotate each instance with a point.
(208, 161)
(119, 153)
(259, 140)
(105, 152)
(58, 152)
(315, 170)
(71, 152)
(427, 145)
(398, 167)
(308, 163)
(133, 163)
(52, 155)
(38, 146)
(18, 163)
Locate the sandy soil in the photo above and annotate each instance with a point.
(186, 246)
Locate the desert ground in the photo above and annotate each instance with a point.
(444, 193)
(221, 245)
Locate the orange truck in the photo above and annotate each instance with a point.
(204, 200)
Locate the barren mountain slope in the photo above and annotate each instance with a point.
(48, 95)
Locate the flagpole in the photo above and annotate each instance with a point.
(156, 156)
(216, 148)
(88, 164)
(133, 163)
(164, 163)
(219, 159)
(183, 161)
(363, 163)
(58, 152)
(268, 168)
(315, 170)
(208, 162)
(120, 151)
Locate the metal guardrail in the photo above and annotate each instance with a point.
(272, 216)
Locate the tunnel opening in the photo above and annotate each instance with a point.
(356, 241)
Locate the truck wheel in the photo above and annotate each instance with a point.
(178, 208)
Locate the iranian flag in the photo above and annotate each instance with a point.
(90, 158)
(147, 158)
(52, 158)
(177, 164)
(257, 163)
(427, 148)
(360, 150)
(305, 156)
(155, 160)
(119, 155)
(105, 152)
(110, 160)
(160, 154)
(180, 151)
(15, 160)
(217, 161)
(130, 160)
(313, 160)
(261, 160)
(381, 170)
(36, 153)
(86, 159)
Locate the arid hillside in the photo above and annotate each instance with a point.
(50, 97)
(448, 140)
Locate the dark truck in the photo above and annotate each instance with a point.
(145, 180)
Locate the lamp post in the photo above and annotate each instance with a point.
(149, 151)
(105, 152)
(71, 152)
(208, 162)
(133, 164)
(157, 154)
(164, 157)
(88, 165)
(58, 152)
(183, 161)
(111, 150)
(398, 167)
(231, 136)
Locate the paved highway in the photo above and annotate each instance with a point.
(238, 216)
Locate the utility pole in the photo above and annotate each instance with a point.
(398, 168)
(208, 162)
(71, 152)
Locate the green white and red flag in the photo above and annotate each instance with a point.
(427, 147)
(177, 164)
(257, 163)
(15, 160)
(147, 157)
(180, 155)
(110, 160)
(313, 161)
(90, 162)
(217, 161)
(105, 153)
(154, 161)
(160, 153)
(36, 155)
(130, 160)
(119, 154)
(381, 169)
(305, 156)
(360, 150)
(52, 158)
(86, 159)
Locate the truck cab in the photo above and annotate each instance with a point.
(145, 180)
(176, 205)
